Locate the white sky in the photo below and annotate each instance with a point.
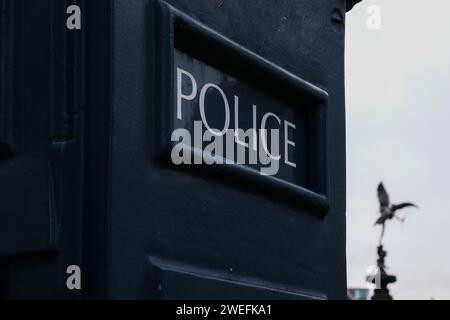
(398, 129)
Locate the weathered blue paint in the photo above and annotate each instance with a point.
(81, 177)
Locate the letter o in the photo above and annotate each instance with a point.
(202, 109)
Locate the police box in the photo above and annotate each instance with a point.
(172, 149)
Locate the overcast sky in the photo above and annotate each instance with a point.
(398, 130)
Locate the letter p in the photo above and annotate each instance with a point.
(180, 94)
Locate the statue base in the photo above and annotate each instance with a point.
(382, 278)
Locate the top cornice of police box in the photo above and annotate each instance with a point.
(351, 4)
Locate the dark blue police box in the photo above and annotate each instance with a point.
(131, 161)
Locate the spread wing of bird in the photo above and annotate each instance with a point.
(396, 207)
(383, 197)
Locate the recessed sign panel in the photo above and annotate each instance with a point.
(223, 107)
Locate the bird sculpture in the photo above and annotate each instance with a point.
(388, 210)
